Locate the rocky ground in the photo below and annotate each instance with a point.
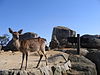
(9, 60)
(57, 63)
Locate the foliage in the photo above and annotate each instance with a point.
(4, 39)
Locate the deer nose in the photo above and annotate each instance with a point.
(17, 37)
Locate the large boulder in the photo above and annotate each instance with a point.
(24, 36)
(90, 41)
(81, 66)
(28, 35)
(60, 35)
(94, 56)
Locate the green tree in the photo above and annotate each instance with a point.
(4, 39)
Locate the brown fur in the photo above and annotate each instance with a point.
(33, 44)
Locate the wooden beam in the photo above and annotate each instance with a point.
(78, 43)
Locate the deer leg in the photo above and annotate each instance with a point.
(23, 55)
(46, 59)
(26, 60)
(39, 61)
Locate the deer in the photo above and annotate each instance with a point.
(24, 46)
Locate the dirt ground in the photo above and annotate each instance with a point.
(9, 60)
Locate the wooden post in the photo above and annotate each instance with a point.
(78, 43)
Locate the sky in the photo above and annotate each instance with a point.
(40, 16)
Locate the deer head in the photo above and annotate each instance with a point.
(15, 34)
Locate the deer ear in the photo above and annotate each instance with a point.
(10, 30)
(20, 31)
